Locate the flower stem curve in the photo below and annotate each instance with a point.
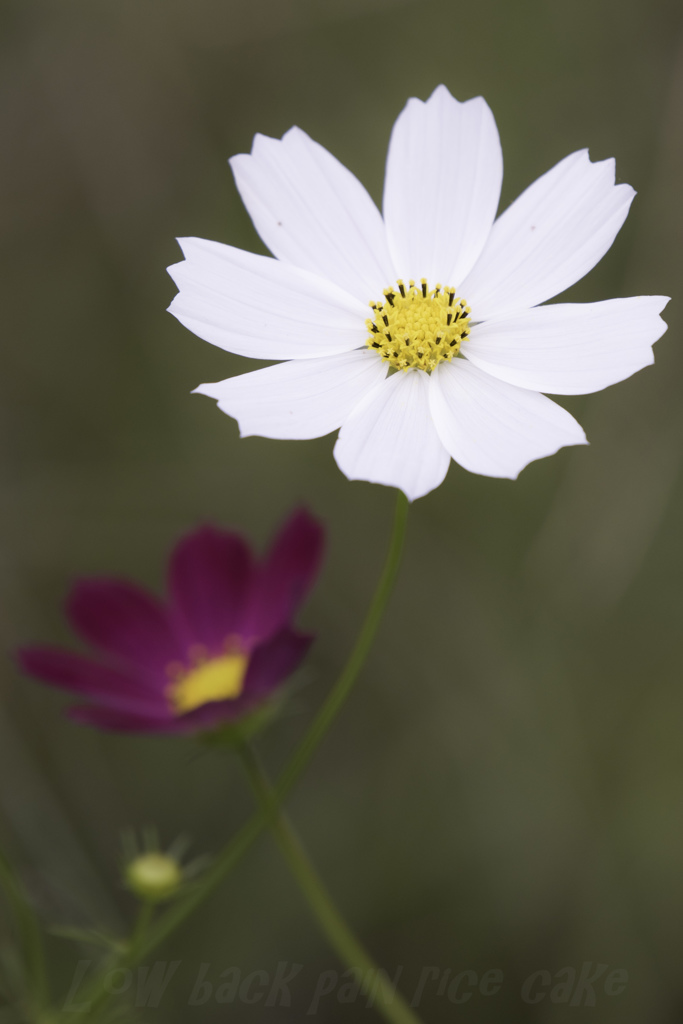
(344, 684)
(372, 981)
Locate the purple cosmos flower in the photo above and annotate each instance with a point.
(217, 648)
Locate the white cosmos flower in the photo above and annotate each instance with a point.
(470, 348)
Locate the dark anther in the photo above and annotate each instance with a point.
(375, 328)
(465, 334)
(390, 298)
(448, 319)
(388, 334)
(407, 342)
(451, 296)
(386, 320)
(376, 344)
(402, 289)
(424, 289)
(454, 342)
(395, 355)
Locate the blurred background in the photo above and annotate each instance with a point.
(502, 793)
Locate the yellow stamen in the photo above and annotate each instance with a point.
(221, 678)
(418, 328)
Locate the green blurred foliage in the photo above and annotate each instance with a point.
(505, 788)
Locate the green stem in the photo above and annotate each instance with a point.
(234, 850)
(344, 684)
(373, 982)
(140, 930)
(96, 995)
(30, 932)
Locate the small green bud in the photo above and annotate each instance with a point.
(153, 876)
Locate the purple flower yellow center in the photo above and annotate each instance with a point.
(418, 328)
(209, 680)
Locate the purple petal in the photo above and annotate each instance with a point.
(287, 574)
(273, 662)
(103, 684)
(121, 721)
(125, 621)
(209, 579)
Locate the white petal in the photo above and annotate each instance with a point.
(442, 186)
(313, 212)
(256, 306)
(390, 438)
(299, 400)
(493, 428)
(570, 349)
(552, 235)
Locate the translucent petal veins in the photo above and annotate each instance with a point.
(415, 328)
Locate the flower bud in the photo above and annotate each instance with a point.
(153, 876)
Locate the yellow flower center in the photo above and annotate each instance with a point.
(220, 678)
(415, 327)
